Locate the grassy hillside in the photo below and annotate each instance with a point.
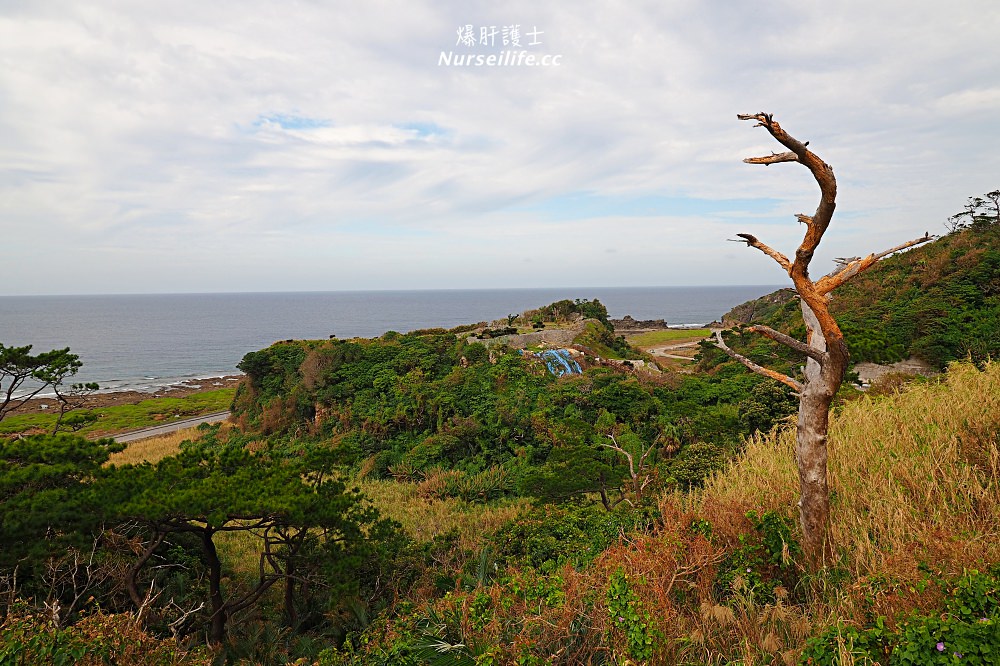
(712, 577)
(707, 577)
(915, 476)
(939, 302)
(549, 520)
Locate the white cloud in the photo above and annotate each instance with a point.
(268, 146)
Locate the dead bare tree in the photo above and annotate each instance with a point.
(75, 576)
(641, 474)
(72, 399)
(824, 348)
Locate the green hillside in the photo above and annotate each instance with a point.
(939, 302)
(404, 405)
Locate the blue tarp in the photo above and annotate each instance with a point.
(559, 362)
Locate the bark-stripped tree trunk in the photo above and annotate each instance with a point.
(639, 475)
(824, 347)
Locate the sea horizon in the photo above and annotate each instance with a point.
(146, 342)
(385, 290)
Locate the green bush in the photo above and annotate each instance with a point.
(696, 461)
(630, 618)
(762, 560)
(550, 536)
(967, 631)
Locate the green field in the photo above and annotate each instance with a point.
(671, 335)
(123, 418)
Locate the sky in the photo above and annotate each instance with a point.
(170, 147)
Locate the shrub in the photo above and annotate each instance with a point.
(27, 637)
(551, 536)
(762, 560)
(695, 462)
(629, 618)
(966, 632)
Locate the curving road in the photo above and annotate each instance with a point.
(167, 428)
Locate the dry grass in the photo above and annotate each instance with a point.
(921, 472)
(153, 449)
(423, 519)
(240, 551)
(917, 483)
(916, 476)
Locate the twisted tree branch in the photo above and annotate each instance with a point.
(830, 282)
(789, 341)
(759, 369)
(773, 158)
(752, 241)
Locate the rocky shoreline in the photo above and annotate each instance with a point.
(114, 398)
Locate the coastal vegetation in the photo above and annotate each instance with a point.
(706, 576)
(123, 418)
(437, 498)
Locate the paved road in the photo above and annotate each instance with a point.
(171, 427)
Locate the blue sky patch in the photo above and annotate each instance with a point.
(291, 122)
(424, 130)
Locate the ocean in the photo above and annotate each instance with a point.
(146, 342)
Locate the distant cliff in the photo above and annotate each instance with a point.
(758, 309)
(627, 323)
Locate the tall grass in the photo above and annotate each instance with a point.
(425, 518)
(915, 477)
(153, 449)
(916, 483)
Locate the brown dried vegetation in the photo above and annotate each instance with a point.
(916, 481)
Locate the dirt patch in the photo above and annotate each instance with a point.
(552, 337)
(869, 372)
